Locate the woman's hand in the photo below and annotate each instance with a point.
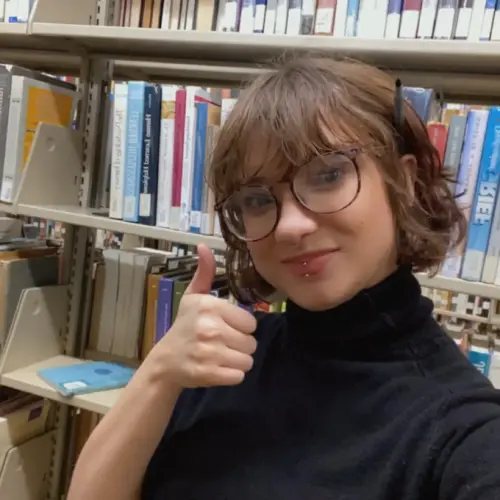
(210, 342)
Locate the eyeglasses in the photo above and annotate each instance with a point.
(325, 185)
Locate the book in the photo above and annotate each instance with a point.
(84, 378)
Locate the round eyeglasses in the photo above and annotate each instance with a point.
(325, 185)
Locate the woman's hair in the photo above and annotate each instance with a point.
(284, 114)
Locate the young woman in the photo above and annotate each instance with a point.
(327, 194)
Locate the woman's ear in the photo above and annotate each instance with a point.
(409, 166)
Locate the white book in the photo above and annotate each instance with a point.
(340, 18)
(476, 20)
(409, 23)
(23, 10)
(166, 157)
(118, 148)
(463, 19)
(495, 30)
(192, 93)
(10, 13)
(281, 17)
(270, 20)
(445, 19)
(166, 14)
(487, 22)
(427, 18)
(247, 17)
(294, 17)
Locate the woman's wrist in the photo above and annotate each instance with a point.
(156, 371)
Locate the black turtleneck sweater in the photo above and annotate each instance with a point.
(367, 401)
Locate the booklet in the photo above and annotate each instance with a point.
(84, 378)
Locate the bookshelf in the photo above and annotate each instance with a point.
(75, 38)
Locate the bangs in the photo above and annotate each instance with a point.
(282, 121)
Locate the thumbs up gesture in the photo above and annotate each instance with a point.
(211, 341)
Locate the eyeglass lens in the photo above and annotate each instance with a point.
(326, 184)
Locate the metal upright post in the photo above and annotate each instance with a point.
(78, 245)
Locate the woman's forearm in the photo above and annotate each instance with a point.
(114, 459)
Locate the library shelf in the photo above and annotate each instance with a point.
(460, 286)
(26, 379)
(98, 219)
(163, 45)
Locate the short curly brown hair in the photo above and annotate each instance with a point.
(289, 106)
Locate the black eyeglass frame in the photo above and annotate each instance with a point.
(350, 153)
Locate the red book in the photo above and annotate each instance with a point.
(438, 134)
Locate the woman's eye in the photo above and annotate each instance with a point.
(327, 176)
(253, 202)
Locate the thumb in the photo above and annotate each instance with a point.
(205, 272)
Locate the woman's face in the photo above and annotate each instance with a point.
(322, 260)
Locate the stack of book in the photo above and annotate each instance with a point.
(472, 20)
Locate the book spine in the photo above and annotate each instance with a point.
(409, 18)
(247, 16)
(325, 14)
(135, 117)
(166, 157)
(281, 17)
(456, 135)
(164, 307)
(377, 29)
(476, 20)
(484, 201)
(446, 19)
(5, 85)
(260, 16)
(466, 181)
(270, 20)
(463, 19)
(293, 24)
(180, 120)
(393, 19)
(188, 157)
(487, 25)
(427, 18)
(438, 134)
(340, 21)
(150, 157)
(495, 29)
(352, 18)
(199, 167)
(14, 139)
(493, 253)
(118, 151)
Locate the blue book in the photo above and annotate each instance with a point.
(485, 196)
(196, 215)
(481, 359)
(84, 378)
(150, 155)
(486, 27)
(352, 18)
(133, 151)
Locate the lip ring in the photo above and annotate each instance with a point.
(305, 257)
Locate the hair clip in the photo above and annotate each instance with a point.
(399, 116)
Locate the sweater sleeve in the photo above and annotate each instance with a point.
(469, 462)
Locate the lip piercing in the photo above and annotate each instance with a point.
(304, 263)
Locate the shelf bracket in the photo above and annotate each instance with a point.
(37, 327)
(52, 173)
(63, 12)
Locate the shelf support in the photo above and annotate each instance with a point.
(37, 328)
(63, 12)
(52, 172)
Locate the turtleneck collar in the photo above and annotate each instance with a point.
(373, 319)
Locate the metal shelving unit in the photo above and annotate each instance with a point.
(76, 37)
